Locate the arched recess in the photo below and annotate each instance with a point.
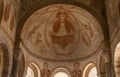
(28, 12)
(61, 72)
(117, 60)
(30, 72)
(90, 70)
(37, 36)
(33, 70)
(4, 61)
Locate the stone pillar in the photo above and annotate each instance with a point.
(107, 64)
(107, 61)
(15, 65)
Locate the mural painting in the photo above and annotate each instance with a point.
(12, 23)
(76, 72)
(87, 35)
(45, 72)
(62, 36)
(34, 33)
(7, 12)
(62, 31)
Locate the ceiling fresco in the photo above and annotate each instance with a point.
(64, 31)
(7, 12)
(9, 18)
(1, 9)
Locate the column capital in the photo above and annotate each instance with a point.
(17, 54)
(101, 74)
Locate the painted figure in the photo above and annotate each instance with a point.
(76, 72)
(63, 31)
(45, 71)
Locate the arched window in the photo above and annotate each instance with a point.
(33, 70)
(117, 60)
(93, 72)
(61, 72)
(90, 71)
(30, 72)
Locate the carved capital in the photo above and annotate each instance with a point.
(17, 54)
(101, 74)
(106, 57)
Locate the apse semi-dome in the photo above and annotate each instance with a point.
(61, 32)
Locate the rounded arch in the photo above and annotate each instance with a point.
(61, 71)
(90, 70)
(61, 74)
(30, 72)
(49, 40)
(4, 60)
(35, 70)
(35, 7)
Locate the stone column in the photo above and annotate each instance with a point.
(107, 64)
(15, 65)
(107, 61)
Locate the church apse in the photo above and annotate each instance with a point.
(62, 31)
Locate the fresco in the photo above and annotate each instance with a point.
(8, 22)
(62, 36)
(12, 23)
(45, 72)
(76, 72)
(63, 31)
(7, 12)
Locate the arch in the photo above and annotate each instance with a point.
(49, 40)
(61, 71)
(90, 70)
(61, 74)
(30, 72)
(116, 60)
(35, 70)
(35, 7)
(5, 60)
